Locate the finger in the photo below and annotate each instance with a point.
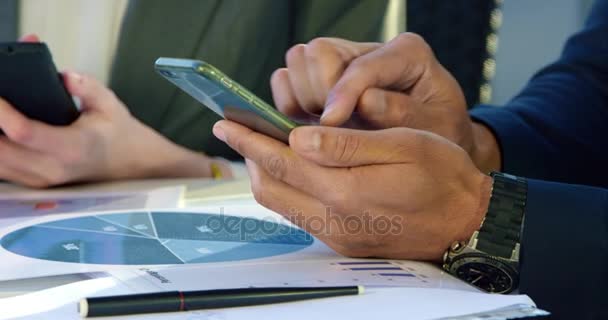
(29, 38)
(327, 58)
(325, 222)
(294, 205)
(27, 167)
(18, 177)
(339, 147)
(8, 171)
(33, 134)
(397, 65)
(279, 160)
(386, 109)
(350, 50)
(299, 81)
(325, 63)
(283, 96)
(92, 94)
(224, 167)
(285, 99)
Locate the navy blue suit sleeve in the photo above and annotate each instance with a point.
(556, 128)
(564, 253)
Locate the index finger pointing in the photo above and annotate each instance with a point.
(398, 65)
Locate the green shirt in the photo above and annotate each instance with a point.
(247, 39)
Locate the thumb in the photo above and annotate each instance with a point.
(29, 38)
(340, 147)
(92, 94)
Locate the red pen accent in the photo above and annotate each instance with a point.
(48, 205)
(182, 303)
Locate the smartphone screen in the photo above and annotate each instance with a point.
(225, 97)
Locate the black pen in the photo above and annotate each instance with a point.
(208, 299)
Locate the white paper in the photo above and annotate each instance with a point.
(26, 204)
(375, 303)
(234, 191)
(413, 289)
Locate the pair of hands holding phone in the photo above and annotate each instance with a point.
(406, 190)
(409, 192)
(105, 143)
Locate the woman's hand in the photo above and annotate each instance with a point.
(106, 142)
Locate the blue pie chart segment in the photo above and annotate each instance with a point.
(91, 224)
(149, 238)
(192, 251)
(140, 222)
(86, 247)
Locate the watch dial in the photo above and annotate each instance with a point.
(486, 277)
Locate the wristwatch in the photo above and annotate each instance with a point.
(490, 259)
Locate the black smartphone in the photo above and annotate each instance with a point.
(224, 96)
(30, 82)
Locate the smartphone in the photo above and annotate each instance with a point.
(225, 97)
(30, 82)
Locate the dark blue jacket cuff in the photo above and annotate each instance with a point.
(564, 249)
(516, 139)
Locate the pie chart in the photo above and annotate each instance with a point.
(155, 238)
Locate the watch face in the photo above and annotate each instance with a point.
(484, 272)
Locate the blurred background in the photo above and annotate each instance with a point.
(493, 47)
(491, 68)
(531, 35)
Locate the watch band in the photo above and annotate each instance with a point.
(501, 229)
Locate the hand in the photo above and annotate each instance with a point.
(397, 193)
(106, 142)
(301, 89)
(399, 84)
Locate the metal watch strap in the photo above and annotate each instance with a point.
(500, 232)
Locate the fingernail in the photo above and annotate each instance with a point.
(218, 132)
(329, 105)
(327, 111)
(216, 171)
(75, 77)
(315, 142)
(77, 102)
(311, 143)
